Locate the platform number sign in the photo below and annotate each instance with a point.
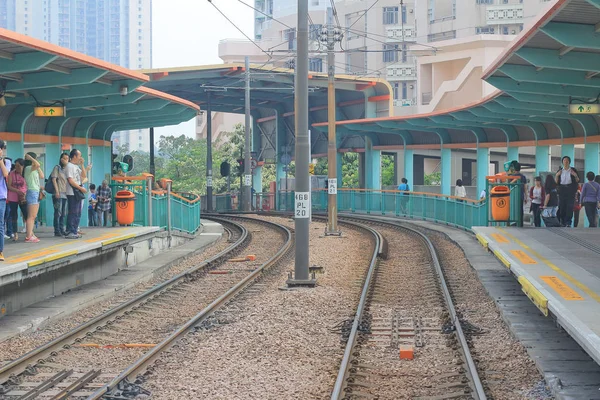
(302, 205)
(247, 180)
(332, 186)
(209, 181)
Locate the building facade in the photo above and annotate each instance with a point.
(432, 52)
(117, 31)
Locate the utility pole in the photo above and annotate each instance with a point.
(209, 174)
(302, 193)
(152, 166)
(247, 173)
(331, 36)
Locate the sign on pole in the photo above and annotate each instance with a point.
(331, 186)
(302, 205)
(584, 108)
(247, 180)
(209, 181)
(49, 111)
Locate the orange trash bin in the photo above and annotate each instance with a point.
(500, 203)
(125, 206)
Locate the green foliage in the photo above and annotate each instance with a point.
(185, 163)
(387, 170)
(434, 179)
(350, 170)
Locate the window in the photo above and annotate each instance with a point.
(505, 30)
(314, 31)
(290, 36)
(403, 14)
(404, 90)
(315, 65)
(484, 1)
(484, 30)
(390, 15)
(404, 53)
(395, 90)
(390, 53)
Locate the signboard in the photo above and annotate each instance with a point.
(332, 186)
(286, 159)
(269, 160)
(209, 180)
(584, 108)
(49, 111)
(247, 180)
(302, 205)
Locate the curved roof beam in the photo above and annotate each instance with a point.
(510, 86)
(526, 73)
(498, 111)
(41, 80)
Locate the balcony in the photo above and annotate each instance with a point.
(504, 14)
(401, 72)
(394, 33)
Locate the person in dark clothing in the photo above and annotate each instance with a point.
(515, 170)
(590, 198)
(568, 182)
(537, 196)
(551, 198)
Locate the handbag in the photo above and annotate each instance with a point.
(78, 194)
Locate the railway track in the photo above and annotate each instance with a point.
(103, 357)
(406, 311)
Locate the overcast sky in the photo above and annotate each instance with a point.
(187, 33)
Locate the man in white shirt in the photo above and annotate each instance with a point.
(76, 173)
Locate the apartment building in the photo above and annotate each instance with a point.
(432, 52)
(117, 31)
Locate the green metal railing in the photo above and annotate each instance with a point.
(510, 196)
(185, 212)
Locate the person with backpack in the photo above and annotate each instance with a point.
(57, 187)
(403, 188)
(550, 203)
(590, 198)
(568, 182)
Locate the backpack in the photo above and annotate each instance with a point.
(49, 186)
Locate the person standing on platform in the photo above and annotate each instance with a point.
(460, 190)
(576, 207)
(17, 190)
(104, 196)
(32, 174)
(3, 195)
(590, 198)
(537, 196)
(515, 170)
(59, 199)
(92, 201)
(76, 173)
(404, 189)
(567, 180)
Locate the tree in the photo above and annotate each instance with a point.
(433, 179)
(350, 170)
(387, 170)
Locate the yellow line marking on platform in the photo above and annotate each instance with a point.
(16, 259)
(565, 275)
(523, 257)
(561, 288)
(118, 239)
(540, 301)
(499, 238)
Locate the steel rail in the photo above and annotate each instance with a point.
(143, 362)
(33, 357)
(343, 371)
(471, 367)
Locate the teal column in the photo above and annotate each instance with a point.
(52, 157)
(542, 159)
(15, 150)
(592, 163)
(372, 166)
(257, 180)
(483, 162)
(568, 150)
(280, 143)
(100, 166)
(409, 162)
(340, 159)
(446, 172)
(512, 154)
(84, 211)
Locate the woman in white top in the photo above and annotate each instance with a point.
(460, 190)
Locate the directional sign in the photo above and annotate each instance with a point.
(332, 186)
(49, 111)
(584, 108)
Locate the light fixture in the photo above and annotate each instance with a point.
(123, 90)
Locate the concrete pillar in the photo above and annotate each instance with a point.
(361, 170)
(257, 179)
(542, 159)
(15, 150)
(446, 170)
(568, 150)
(280, 143)
(512, 154)
(483, 162)
(409, 161)
(372, 166)
(52, 157)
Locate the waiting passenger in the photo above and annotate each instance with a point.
(59, 200)
(576, 207)
(32, 174)
(590, 198)
(550, 201)
(92, 201)
(104, 196)
(515, 170)
(76, 173)
(460, 190)
(3, 194)
(17, 190)
(537, 196)
(403, 188)
(567, 181)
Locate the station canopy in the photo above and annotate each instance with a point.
(100, 98)
(553, 63)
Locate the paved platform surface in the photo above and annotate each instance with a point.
(559, 268)
(22, 258)
(568, 370)
(36, 315)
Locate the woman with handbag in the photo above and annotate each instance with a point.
(32, 174)
(17, 188)
(76, 173)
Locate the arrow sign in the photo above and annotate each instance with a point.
(49, 111)
(584, 108)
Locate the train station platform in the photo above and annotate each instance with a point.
(558, 269)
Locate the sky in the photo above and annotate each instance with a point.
(187, 33)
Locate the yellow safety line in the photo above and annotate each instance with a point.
(565, 275)
(118, 239)
(501, 258)
(482, 240)
(51, 258)
(540, 301)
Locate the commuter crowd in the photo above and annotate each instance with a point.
(22, 189)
